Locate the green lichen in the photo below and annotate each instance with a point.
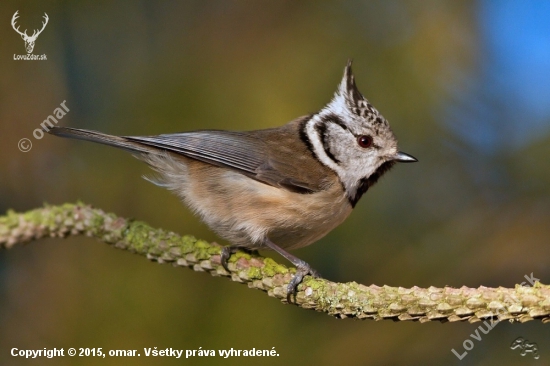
(187, 244)
(67, 206)
(11, 219)
(36, 217)
(254, 273)
(207, 247)
(96, 225)
(241, 254)
(314, 283)
(137, 235)
(204, 250)
(271, 268)
(201, 244)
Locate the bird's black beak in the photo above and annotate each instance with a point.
(404, 158)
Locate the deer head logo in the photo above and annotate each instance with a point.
(29, 40)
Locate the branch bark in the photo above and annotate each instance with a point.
(341, 300)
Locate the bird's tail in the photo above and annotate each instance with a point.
(102, 138)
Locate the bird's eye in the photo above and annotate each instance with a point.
(364, 141)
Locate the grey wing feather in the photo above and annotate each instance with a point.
(240, 151)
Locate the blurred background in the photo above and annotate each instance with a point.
(464, 84)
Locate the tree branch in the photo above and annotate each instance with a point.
(341, 300)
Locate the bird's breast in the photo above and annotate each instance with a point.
(245, 211)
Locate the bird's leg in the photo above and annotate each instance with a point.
(302, 269)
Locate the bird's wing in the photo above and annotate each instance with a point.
(241, 151)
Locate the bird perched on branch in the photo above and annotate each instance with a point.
(280, 188)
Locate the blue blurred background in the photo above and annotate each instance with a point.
(464, 84)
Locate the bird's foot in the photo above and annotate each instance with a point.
(302, 269)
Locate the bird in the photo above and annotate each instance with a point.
(274, 189)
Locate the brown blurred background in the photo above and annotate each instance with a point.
(464, 84)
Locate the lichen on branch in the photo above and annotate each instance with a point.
(341, 300)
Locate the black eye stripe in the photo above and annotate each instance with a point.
(334, 119)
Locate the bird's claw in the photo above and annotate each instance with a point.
(301, 271)
(229, 250)
(225, 254)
